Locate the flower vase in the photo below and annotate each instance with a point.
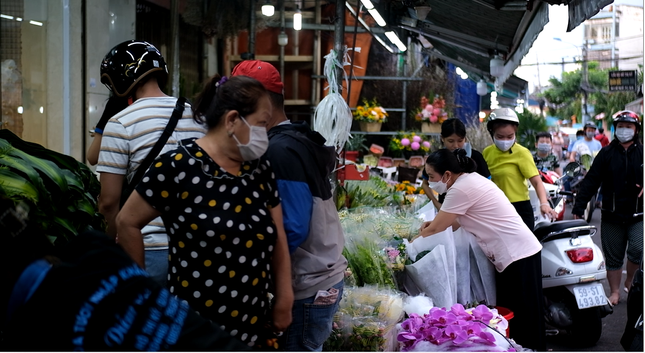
(370, 127)
(427, 127)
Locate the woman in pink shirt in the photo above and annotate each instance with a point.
(478, 205)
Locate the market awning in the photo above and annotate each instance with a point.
(469, 32)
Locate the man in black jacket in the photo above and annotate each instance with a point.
(618, 168)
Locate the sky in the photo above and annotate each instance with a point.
(547, 50)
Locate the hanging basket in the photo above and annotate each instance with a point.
(370, 127)
(431, 128)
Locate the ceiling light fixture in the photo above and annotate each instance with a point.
(268, 9)
(297, 19)
(395, 40)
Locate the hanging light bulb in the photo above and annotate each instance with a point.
(297, 19)
(482, 88)
(268, 9)
(282, 38)
(496, 66)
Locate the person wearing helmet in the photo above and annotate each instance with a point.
(588, 141)
(136, 71)
(511, 164)
(618, 170)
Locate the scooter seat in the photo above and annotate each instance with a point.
(545, 228)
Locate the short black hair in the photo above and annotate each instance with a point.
(543, 134)
(580, 133)
(601, 130)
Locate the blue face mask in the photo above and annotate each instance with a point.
(580, 137)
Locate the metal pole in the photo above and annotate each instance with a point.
(351, 66)
(252, 30)
(314, 82)
(339, 41)
(562, 74)
(584, 84)
(613, 35)
(174, 30)
(281, 3)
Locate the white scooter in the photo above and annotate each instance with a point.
(572, 268)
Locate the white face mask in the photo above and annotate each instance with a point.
(624, 134)
(439, 186)
(257, 145)
(544, 147)
(504, 145)
(590, 134)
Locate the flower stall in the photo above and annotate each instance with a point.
(370, 115)
(387, 278)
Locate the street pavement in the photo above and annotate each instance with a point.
(613, 325)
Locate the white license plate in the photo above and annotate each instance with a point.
(590, 295)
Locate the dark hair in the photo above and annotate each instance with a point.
(277, 100)
(456, 161)
(221, 95)
(543, 134)
(601, 130)
(580, 133)
(453, 126)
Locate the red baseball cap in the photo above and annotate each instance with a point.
(261, 71)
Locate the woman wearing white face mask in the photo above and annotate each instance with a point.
(478, 205)
(219, 202)
(453, 136)
(618, 169)
(511, 164)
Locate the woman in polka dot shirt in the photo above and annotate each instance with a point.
(219, 202)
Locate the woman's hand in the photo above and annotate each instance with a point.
(425, 225)
(547, 211)
(281, 315)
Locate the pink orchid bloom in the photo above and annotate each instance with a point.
(457, 334)
(481, 312)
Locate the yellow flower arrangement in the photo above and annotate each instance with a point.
(370, 112)
(408, 188)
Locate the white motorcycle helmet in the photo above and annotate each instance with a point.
(506, 115)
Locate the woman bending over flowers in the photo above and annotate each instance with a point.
(478, 205)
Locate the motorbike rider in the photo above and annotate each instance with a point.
(588, 140)
(511, 164)
(618, 169)
(453, 136)
(544, 158)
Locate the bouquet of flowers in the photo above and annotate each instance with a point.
(411, 142)
(408, 188)
(366, 320)
(457, 329)
(433, 113)
(370, 112)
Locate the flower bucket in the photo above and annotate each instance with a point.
(351, 155)
(398, 161)
(431, 128)
(508, 315)
(417, 161)
(407, 173)
(370, 127)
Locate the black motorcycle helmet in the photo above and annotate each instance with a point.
(627, 116)
(128, 63)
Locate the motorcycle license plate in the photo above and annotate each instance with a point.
(590, 295)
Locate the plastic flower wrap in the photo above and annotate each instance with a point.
(366, 320)
(370, 112)
(457, 329)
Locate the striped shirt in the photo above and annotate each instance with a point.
(130, 135)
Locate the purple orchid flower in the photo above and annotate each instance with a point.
(457, 334)
(460, 312)
(481, 312)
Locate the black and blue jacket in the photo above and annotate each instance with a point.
(302, 165)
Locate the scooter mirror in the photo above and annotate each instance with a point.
(571, 169)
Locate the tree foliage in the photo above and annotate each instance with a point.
(530, 124)
(565, 96)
